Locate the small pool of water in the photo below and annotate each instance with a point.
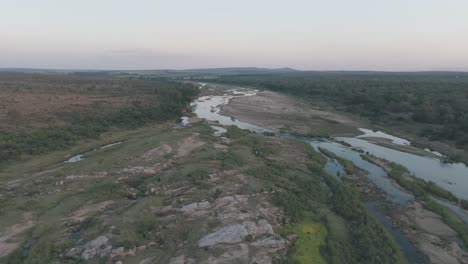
(219, 131)
(76, 158)
(380, 134)
(82, 156)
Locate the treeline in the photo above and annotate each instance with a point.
(76, 84)
(162, 102)
(438, 101)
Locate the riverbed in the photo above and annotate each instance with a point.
(453, 177)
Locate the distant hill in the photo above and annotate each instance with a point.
(208, 71)
(240, 70)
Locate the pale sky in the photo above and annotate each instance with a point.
(395, 35)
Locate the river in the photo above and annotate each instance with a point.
(453, 177)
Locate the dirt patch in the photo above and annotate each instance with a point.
(184, 147)
(277, 111)
(187, 145)
(428, 221)
(157, 153)
(82, 213)
(6, 245)
(149, 169)
(86, 177)
(431, 235)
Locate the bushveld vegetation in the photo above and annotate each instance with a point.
(150, 101)
(436, 102)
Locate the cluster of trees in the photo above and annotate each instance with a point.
(163, 101)
(371, 243)
(438, 101)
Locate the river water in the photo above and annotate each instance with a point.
(453, 177)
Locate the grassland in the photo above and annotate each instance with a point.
(310, 238)
(138, 194)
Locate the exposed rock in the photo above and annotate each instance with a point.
(74, 253)
(147, 261)
(181, 260)
(141, 248)
(261, 228)
(96, 248)
(163, 210)
(195, 119)
(190, 208)
(141, 170)
(120, 251)
(269, 242)
(229, 234)
(151, 244)
(236, 233)
(220, 147)
(86, 177)
(239, 254)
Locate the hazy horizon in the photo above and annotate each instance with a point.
(305, 35)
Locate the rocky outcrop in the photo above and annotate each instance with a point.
(236, 233)
(193, 207)
(181, 260)
(236, 254)
(229, 234)
(96, 248)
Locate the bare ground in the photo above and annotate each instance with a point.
(7, 242)
(432, 236)
(281, 112)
